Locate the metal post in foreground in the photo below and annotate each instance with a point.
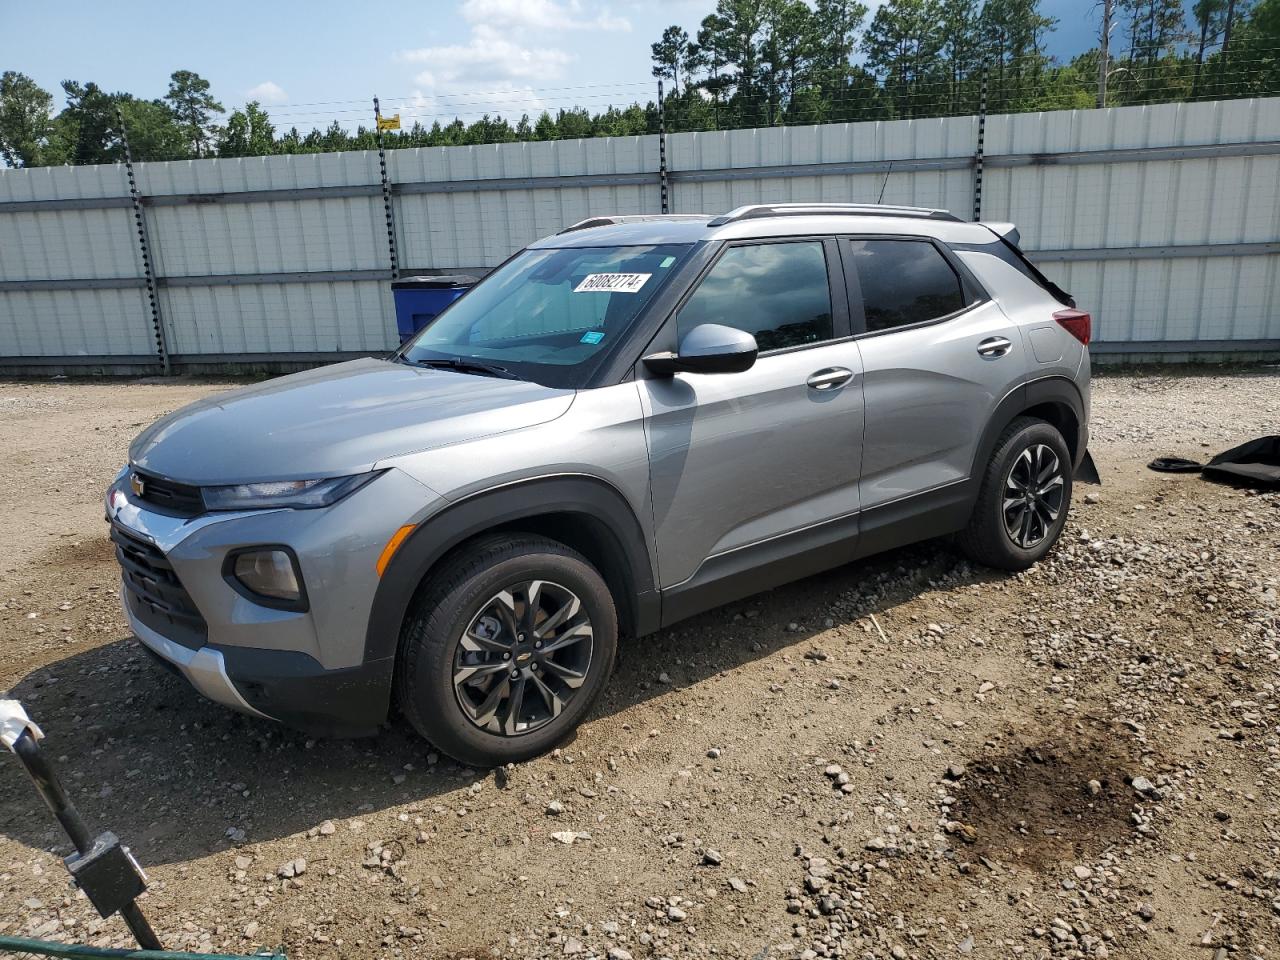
(101, 866)
(386, 192)
(662, 151)
(144, 247)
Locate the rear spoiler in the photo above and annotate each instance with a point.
(1005, 231)
(1008, 235)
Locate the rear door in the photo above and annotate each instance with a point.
(938, 356)
(739, 460)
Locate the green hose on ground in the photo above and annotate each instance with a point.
(47, 948)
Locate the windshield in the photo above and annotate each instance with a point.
(548, 315)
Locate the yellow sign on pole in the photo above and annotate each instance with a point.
(389, 123)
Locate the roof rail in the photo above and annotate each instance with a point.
(757, 210)
(605, 221)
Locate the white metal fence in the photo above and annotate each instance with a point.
(1164, 221)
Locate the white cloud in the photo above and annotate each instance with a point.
(489, 57)
(510, 101)
(541, 15)
(267, 92)
(511, 47)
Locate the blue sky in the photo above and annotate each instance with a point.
(310, 62)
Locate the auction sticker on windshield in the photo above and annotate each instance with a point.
(612, 283)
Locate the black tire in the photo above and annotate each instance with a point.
(457, 598)
(987, 539)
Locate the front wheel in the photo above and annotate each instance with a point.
(1023, 498)
(507, 650)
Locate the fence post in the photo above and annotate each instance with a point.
(386, 194)
(1104, 52)
(662, 151)
(982, 135)
(145, 248)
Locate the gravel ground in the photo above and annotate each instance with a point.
(903, 758)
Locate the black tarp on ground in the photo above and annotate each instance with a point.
(1255, 464)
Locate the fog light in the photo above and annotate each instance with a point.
(269, 573)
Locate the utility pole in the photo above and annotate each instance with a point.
(1104, 58)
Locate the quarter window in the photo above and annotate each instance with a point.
(904, 282)
(777, 292)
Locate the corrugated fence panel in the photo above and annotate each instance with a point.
(1223, 200)
(75, 323)
(331, 317)
(53, 244)
(288, 236)
(900, 140)
(63, 183)
(482, 227)
(346, 233)
(290, 254)
(193, 239)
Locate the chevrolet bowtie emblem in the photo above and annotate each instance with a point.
(138, 484)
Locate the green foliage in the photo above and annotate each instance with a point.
(1266, 21)
(904, 45)
(26, 121)
(248, 133)
(153, 131)
(86, 129)
(674, 56)
(193, 107)
(752, 63)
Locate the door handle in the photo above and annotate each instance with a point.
(829, 378)
(993, 347)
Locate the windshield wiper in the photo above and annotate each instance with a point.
(464, 366)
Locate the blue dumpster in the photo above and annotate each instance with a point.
(420, 299)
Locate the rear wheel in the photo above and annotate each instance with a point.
(507, 650)
(1023, 498)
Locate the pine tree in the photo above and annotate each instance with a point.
(194, 108)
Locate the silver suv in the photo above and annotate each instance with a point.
(625, 424)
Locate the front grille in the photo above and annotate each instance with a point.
(154, 593)
(169, 495)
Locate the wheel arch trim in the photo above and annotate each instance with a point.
(462, 520)
(1057, 390)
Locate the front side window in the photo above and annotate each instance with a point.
(904, 282)
(549, 314)
(777, 292)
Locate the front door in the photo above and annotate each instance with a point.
(750, 464)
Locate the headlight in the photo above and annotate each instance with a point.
(299, 494)
(267, 575)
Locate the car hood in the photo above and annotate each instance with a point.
(336, 420)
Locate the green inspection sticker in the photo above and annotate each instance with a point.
(666, 262)
(592, 336)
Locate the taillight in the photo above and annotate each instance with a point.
(1077, 323)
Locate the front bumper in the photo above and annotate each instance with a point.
(205, 668)
(288, 687)
(305, 668)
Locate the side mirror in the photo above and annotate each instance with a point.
(708, 348)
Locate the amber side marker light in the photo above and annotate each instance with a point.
(392, 546)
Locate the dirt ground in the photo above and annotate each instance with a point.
(903, 758)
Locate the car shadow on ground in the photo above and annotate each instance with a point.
(178, 777)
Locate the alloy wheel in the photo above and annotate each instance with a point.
(523, 658)
(1033, 494)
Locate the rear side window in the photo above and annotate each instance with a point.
(777, 292)
(1011, 255)
(904, 282)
